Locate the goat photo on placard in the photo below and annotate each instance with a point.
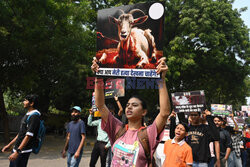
(130, 36)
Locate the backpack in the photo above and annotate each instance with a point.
(143, 139)
(40, 134)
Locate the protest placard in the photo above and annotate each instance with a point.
(94, 108)
(130, 40)
(221, 109)
(242, 114)
(246, 111)
(239, 121)
(114, 87)
(193, 101)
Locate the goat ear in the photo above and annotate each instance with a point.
(113, 20)
(140, 20)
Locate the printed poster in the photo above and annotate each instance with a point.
(245, 111)
(239, 120)
(114, 87)
(193, 101)
(125, 154)
(242, 114)
(130, 40)
(221, 109)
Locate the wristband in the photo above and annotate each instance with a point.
(19, 151)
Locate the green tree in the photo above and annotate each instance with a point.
(47, 46)
(207, 48)
(44, 48)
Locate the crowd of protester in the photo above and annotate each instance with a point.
(196, 139)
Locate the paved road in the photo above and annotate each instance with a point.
(50, 156)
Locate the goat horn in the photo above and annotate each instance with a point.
(136, 10)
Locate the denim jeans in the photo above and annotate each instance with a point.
(21, 161)
(199, 164)
(233, 160)
(72, 162)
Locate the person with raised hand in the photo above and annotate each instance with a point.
(102, 142)
(199, 137)
(127, 148)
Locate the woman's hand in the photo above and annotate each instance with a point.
(95, 66)
(163, 96)
(162, 67)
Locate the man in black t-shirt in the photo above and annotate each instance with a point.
(225, 141)
(26, 137)
(199, 137)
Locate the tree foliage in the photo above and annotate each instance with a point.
(207, 48)
(45, 49)
(47, 46)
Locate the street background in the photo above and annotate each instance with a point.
(50, 154)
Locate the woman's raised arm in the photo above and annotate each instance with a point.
(99, 93)
(161, 118)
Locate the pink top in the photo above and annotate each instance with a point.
(127, 149)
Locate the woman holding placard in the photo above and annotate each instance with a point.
(133, 144)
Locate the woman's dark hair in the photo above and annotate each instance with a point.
(143, 103)
(33, 99)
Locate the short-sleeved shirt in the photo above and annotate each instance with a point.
(199, 137)
(225, 142)
(29, 128)
(76, 129)
(127, 150)
(177, 154)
